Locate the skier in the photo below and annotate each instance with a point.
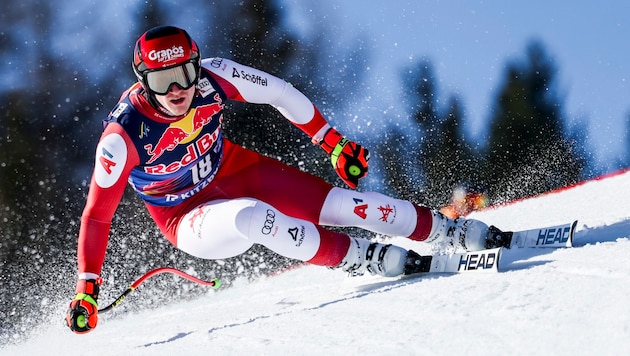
(214, 199)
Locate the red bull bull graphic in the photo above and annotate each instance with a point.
(203, 117)
(169, 140)
(184, 130)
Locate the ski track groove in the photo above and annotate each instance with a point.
(362, 291)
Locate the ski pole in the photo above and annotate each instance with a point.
(214, 283)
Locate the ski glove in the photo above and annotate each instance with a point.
(82, 314)
(349, 159)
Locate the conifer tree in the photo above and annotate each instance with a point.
(528, 151)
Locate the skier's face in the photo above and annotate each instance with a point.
(177, 100)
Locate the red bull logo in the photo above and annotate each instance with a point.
(184, 130)
(200, 147)
(169, 140)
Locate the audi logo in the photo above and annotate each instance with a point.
(270, 219)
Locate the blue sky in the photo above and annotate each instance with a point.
(469, 44)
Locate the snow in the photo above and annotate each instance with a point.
(569, 301)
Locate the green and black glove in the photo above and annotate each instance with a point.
(349, 159)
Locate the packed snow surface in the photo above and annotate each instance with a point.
(568, 301)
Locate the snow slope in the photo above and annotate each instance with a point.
(554, 302)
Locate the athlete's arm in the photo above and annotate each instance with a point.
(251, 85)
(115, 157)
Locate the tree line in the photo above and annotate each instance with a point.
(528, 149)
(51, 124)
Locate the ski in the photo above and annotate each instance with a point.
(550, 237)
(471, 261)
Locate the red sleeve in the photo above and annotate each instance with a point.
(115, 157)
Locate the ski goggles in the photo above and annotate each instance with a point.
(184, 76)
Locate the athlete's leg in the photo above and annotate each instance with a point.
(227, 228)
(376, 212)
(302, 195)
(386, 215)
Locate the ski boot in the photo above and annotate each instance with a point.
(468, 233)
(380, 259)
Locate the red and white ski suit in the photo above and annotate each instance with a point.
(214, 199)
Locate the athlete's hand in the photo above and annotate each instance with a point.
(349, 159)
(82, 314)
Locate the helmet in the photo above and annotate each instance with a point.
(164, 56)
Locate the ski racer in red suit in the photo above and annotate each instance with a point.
(214, 199)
